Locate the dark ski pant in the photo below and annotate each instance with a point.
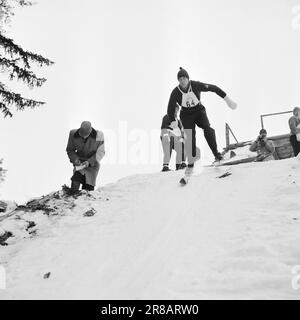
(78, 179)
(168, 146)
(190, 117)
(295, 144)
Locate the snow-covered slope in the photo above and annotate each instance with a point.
(236, 237)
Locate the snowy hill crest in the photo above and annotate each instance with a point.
(146, 237)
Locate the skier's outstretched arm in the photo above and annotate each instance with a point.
(212, 88)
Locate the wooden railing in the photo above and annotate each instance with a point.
(271, 114)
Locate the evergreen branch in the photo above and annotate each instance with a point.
(11, 98)
(5, 110)
(25, 3)
(13, 49)
(6, 8)
(17, 63)
(22, 74)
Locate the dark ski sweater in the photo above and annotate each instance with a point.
(197, 88)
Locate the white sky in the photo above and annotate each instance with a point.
(116, 64)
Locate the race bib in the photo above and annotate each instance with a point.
(189, 99)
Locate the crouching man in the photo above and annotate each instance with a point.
(85, 150)
(172, 139)
(265, 148)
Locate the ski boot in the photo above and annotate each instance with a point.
(218, 159)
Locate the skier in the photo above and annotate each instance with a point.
(172, 139)
(294, 123)
(85, 150)
(188, 95)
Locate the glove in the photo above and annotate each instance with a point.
(231, 104)
(77, 162)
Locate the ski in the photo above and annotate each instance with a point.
(224, 175)
(230, 162)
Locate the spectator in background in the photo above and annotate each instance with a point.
(265, 148)
(294, 123)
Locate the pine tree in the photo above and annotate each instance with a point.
(17, 63)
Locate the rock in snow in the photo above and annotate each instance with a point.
(233, 238)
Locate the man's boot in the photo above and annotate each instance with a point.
(165, 168)
(88, 187)
(75, 187)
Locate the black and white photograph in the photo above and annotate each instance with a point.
(149, 151)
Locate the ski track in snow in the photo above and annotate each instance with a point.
(231, 238)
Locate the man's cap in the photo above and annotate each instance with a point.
(263, 131)
(85, 129)
(182, 73)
